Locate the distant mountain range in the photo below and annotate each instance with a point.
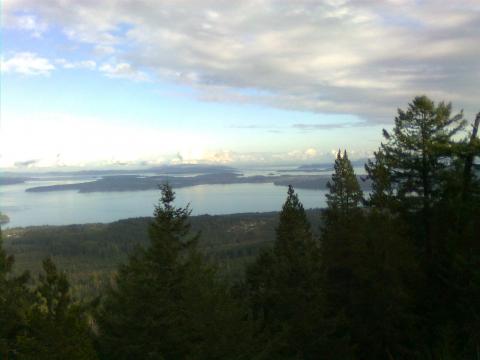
(12, 180)
(163, 169)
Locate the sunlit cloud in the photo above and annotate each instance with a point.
(350, 57)
(59, 139)
(27, 63)
(83, 64)
(28, 23)
(299, 77)
(123, 71)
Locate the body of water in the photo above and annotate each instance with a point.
(72, 207)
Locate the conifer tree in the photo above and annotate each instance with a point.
(166, 302)
(418, 153)
(382, 194)
(342, 216)
(423, 176)
(283, 286)
(15, 300)
(345, 193)
(58, 328)
(457, 220)
(367, 266)
(385, 270)
(342, 222)
(294, 237)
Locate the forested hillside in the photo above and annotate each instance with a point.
(91, 253)
(393, 274)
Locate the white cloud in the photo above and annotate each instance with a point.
(84, 140)
(102, 50)
(28, 23)
(123, 70)
(27, 63)
(311, 152)
(187, 156)
(301, 155)
(61, 139)
(84, 64)
(359, 57)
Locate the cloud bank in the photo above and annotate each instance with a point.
(360, 57)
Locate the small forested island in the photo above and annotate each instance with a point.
(4, 219)
(11, 180)
(389, 274)
(138, 183)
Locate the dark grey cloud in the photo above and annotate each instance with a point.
(360, 57)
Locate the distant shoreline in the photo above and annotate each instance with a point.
(8, 232)
(4, 219)
(141, 183)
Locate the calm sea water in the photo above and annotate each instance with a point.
(71, 207)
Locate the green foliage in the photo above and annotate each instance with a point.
(57, 327)
(345, 193)
(91, 253)
(386, 273)
(424, 176)
(166, 301)
(14, 304)
(284, 280)
(416, 157)
(340, 234)
(368, 269)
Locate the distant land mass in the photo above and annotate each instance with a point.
(309, 168)
(4, 219)
(137, 183)
(163, 169)
(321, 167)
(12, 180)
(13, 177)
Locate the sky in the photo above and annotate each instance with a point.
(128, 83)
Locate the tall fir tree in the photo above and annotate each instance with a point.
(167, 302)
(457, 220)
(345, 194)
(382, 194)
(424, 176)
(418, 154)
(342, 214)
(58, 328)
(283, 287)
(15, 302)
(367, 267)
(342, 221)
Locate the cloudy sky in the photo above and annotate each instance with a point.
(130, 82)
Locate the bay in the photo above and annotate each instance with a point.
(72, 207)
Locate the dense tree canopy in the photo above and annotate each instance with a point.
(14, 301)
(166, 302)
(58, 328)
(424, 175)
(282, 281)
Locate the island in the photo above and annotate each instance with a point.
(4, 219)
(7, 180)
(138, 182)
